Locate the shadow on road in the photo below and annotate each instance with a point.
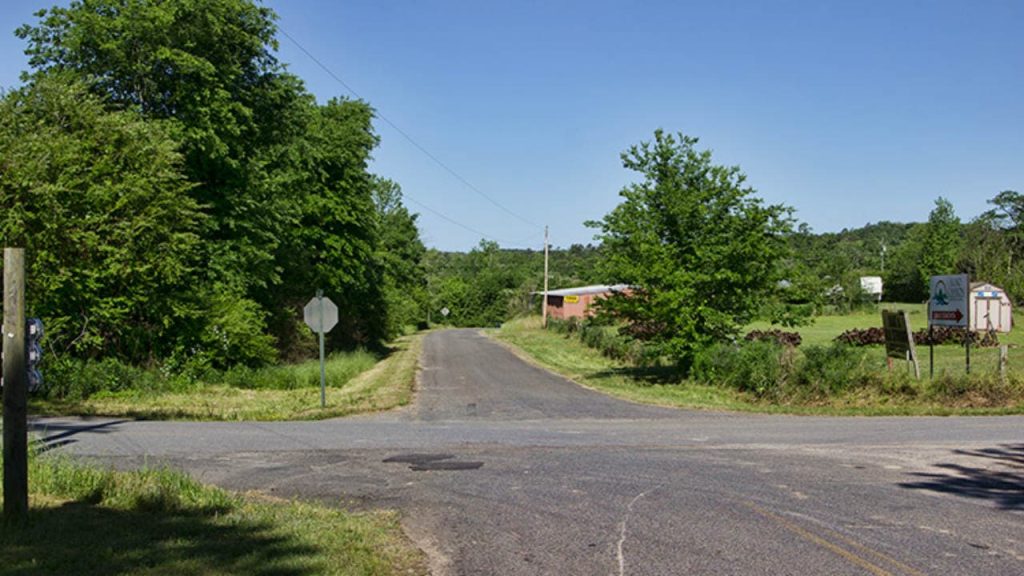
(999, 478)
(56, 435)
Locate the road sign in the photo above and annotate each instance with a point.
(313, 310)
(321, 315)
(948, 300)
(445, 311)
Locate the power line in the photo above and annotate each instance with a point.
(460, 224)
(405, 135)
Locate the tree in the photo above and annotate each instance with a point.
(941, 243)
(401, 254)
(205, 66)
(994, 245)
(99, 200)
(699, 250)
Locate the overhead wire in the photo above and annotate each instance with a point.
(417, 145)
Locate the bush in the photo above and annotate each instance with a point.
(67, 378)
(761, 367)
(826, 370)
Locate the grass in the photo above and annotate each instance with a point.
(85, 520)
(949, 359)
(356, 383)
(897, 394)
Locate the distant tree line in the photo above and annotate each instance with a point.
(181, 195)
(989, 248)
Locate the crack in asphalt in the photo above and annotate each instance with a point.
(622, 530)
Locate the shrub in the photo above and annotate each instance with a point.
(828, 369)
(761, 367)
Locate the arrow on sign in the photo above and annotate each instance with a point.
(955, 315)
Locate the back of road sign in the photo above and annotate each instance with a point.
(311, 314)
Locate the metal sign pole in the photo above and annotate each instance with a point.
(323, 372)
(969, 333)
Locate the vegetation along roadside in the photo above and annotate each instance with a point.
(826, 379)
(357, 382)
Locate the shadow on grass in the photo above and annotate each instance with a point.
(79, 538)
(1001, 482)
(643, 375)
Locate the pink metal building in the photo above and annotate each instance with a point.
(576, 302)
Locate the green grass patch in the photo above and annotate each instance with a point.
(818, 388)
(356, 383)
(85, 520)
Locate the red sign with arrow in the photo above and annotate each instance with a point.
(954, 315)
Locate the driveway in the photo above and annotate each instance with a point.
(502, 468)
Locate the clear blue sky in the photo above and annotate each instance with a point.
(850, 112)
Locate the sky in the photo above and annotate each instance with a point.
(498, 118)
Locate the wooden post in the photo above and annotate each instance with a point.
(1004, 359)
(544, 305)
(15, 390)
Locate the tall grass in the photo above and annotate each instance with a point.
(71, 379)
(87, 520)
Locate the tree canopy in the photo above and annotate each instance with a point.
(254, 195)
(698, 248)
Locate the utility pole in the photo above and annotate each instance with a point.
(544, 305)
(15, 390)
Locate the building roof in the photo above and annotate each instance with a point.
(581, 290)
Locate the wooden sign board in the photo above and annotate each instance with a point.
(899, 340)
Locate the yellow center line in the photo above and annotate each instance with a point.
(815, 539)
(880, 555)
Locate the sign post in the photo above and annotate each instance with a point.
(321, 315)
(948, 305)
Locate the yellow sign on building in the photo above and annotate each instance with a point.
(572, 299)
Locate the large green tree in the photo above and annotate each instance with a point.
(99, 201)
(698, 248)
(208, 67)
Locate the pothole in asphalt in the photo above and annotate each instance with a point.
(418, 459)
(445, 465)
(425, 462)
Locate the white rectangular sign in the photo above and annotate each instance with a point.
(948, 300)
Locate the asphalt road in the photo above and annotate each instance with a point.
(502, 468)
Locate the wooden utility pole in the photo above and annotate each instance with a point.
(15, 390)
(544, 304)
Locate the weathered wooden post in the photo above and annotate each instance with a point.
(15, 396)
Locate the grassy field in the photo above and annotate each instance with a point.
(891, 395)
(356, 383)
(948, 358)
(85, 520)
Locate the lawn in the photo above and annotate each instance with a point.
(888, 394)
(948, 358)
(85, 520)
(356, 383)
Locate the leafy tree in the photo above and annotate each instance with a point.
(99, 201)
(941, 243)
(994, 245)
(207, 67)
(698, 248)
(401, 254)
